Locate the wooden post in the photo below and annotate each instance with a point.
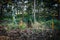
(52, 24)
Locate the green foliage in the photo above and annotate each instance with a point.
(56, 24)
(12, 26)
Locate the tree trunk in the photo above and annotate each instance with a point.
(1, 12)
(22, 9)
(59, 11)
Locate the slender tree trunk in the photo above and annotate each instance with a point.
(22, 9)
(59, 11)
(34, 11)
(1, 12)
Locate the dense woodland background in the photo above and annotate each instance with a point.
(15, 10)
